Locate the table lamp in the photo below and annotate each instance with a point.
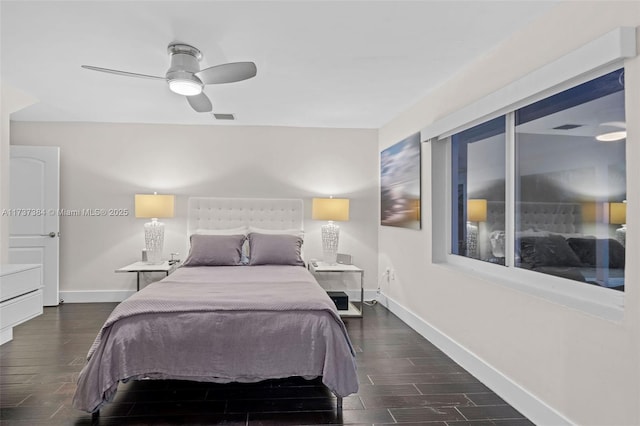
(154, 206)
(476, 212)
(618, 216)
(331, 209)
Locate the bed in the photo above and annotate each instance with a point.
(242, 308)
(554, 239)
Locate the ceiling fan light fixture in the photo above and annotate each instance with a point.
(185, 87)
(612, 136)
(185, 78)
(611, 131)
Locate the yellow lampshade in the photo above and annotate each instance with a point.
(154, 205)
(617, 213)
(477, 210)
(589, 211)
(330, 209)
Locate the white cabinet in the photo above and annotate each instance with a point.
(20, 296)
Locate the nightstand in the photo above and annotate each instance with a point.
(140, 267)
(321, 268)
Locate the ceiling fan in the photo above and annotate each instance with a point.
(185, 77)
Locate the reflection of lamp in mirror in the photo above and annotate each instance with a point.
(618, 216)
(589, 212)
(154, 206)
(330, 209)
(476, 212)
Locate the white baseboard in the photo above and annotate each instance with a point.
(6, 335)
(95, 296)
(529, 405)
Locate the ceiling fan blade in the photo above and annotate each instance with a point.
(124, 73)
(227, 73)
(200, 103)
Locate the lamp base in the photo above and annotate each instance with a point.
(153, 240)
(330, 236)
(472, 241)
(621, 235)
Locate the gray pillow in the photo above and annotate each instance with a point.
(215, 250)
(588, 250)
(275, 249)
(547, 251)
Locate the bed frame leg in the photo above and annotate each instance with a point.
(339, 405)
(95, 416)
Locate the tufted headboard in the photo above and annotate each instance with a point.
(563, 218)
(224, 213)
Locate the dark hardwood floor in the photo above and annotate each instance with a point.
(403, 379)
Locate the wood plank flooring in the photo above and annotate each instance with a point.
(403, 379)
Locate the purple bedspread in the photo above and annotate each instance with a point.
(221, 324)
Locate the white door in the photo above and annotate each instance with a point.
(33, 221)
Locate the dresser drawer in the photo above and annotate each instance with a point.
(20, 282)
(19, 309)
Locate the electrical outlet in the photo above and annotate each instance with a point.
(389, 274)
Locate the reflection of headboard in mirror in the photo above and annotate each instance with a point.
(562, 218)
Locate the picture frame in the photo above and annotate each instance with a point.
(400, 184)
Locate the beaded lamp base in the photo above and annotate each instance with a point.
(153, 240)
(472, 241)
(330, 236)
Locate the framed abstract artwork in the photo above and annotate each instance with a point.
(400, 184)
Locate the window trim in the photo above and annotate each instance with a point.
(603, 52)
(594, 300)
(598, 301)
(509, 189)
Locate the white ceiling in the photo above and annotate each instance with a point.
(351, 64)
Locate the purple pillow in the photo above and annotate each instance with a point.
(215, 250)
(275, 249)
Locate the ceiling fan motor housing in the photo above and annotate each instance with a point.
(184, 63)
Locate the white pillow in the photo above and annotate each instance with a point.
(531, 232)
(497, 243)
(292, 231)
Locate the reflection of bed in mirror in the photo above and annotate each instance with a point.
(556, 239)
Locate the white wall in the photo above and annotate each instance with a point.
(104, 165)
(575, 366)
